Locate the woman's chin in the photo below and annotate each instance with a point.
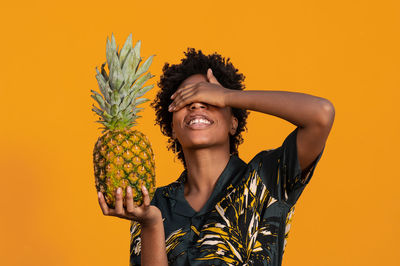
(199, 145)
(203, 144)
(202, 140)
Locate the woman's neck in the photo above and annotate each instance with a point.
(204, 166)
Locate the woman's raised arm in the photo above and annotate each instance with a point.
(313, 115)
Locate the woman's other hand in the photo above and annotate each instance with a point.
(145, 214)
(210, 92)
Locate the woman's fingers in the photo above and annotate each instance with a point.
(146, 198)
(132, 211)
(181, 90)
(183, 93)
(179, 96)
(211, 78)
(183, 100)
(119, 208)
(103, 204)
(129, 200)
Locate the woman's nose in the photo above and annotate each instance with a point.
(197, 105)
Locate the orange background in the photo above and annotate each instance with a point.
(344, 51)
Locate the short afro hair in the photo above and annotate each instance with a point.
(197, 63)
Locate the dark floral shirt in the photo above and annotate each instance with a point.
(245, 221)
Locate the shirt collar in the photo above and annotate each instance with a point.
(230, 175)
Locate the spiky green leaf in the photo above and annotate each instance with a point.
(127, 67)
(110, 53)
(116, 76)
(136, 49)
(106, 116)
(143, 90)
(135, 64)
(140, 81)
(97, 111)
(119, 116)
(137, 110)
(97, 97)
(123, 91)
(141, 100)
(114, 122)
(103, 85)
(126, 113)
(103, 72)
(125, 49)
(128, 73)
(108, 107)
(113, 43)
(115, 98)
(144, 67)
(114, 110)
(127, 100)
(102, 122)
(97, 94)
(136, 91)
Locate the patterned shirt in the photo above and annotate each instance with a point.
(245, 221)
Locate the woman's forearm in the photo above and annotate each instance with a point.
(153, 251)
(298, 108)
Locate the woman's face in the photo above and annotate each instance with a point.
(200, 125)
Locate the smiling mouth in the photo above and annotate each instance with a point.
(199, 122)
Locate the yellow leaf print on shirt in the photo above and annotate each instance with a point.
(234, 234)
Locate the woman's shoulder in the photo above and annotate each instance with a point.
(168, 191)
(264, 155)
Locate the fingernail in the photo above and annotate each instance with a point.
(99, 194)
(119, 190)
(129, 189)
(144, 188)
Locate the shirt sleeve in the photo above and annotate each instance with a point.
(293, 179)
(135, 245)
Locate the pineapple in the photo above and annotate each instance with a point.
(122, 156)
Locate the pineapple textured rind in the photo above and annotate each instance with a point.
(123, 158)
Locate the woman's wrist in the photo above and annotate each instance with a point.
(153, 223)
(231, 97)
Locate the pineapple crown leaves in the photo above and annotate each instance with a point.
(122, 86)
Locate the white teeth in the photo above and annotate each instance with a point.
(199, 121)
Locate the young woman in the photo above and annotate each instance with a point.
(221, 210)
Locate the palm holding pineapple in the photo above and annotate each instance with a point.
(146, 214)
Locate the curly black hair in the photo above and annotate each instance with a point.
(197, 63)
